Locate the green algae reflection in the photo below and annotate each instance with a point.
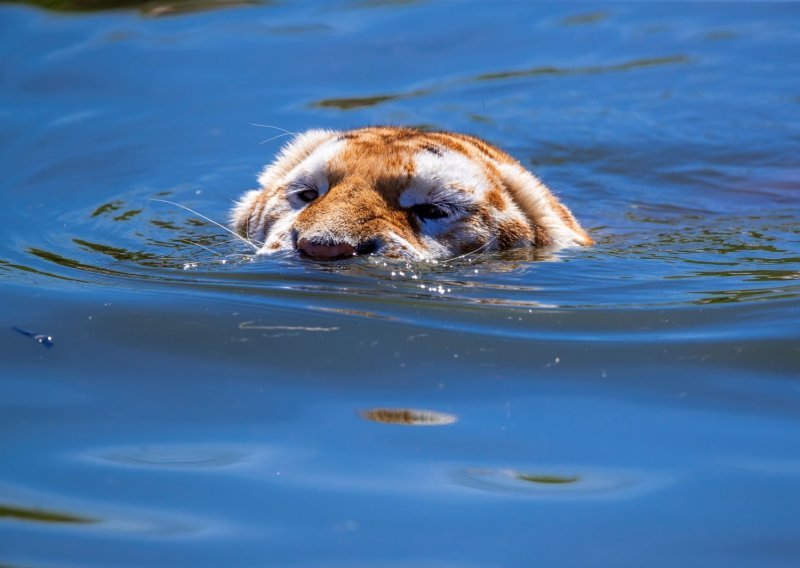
(586, 70)
(547, 479)
(584, 19)
(41, 515)
(350, 103)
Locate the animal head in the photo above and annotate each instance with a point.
(401, 193)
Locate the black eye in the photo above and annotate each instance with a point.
(308, 195)
(430, 211)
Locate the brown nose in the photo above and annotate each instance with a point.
(317, 250)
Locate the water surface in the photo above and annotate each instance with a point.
(631, 404)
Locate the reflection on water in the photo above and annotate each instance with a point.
(547, 479)
(589, 484)
(585, 18)
(350, 103)
(588, 70)
(107, 519)
(715, 260)
(191, 457)
(40, 515)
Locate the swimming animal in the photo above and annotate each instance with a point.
(400, 193)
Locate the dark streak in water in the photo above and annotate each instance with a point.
(350, 103)
(4, 265)
(115, 252)
(128, 215)
(70, 263)
(107, 208)
(41, 515)
(586, 70)
(164, 225)
(547, 479)
(584, 19)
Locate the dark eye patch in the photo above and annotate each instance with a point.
(304, 191)
(427, 211)
(307, 195)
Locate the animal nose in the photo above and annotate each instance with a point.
(325, 251)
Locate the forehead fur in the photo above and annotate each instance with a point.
(427, 162)
(446, 176)
(291, 155)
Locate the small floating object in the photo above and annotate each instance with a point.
(591, 483)
(44, 339)
(554, 479)
(252, 325)
(408, 417)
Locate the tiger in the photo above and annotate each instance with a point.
(402, 193)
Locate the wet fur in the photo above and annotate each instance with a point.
(369, 181)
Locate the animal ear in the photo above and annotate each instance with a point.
(552, 222)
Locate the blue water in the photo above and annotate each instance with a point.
(636, 403)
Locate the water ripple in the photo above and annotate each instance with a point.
(557, 483)
(23, 505)
(356, 102)
(201, 457)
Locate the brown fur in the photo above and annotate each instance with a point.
(371, 183)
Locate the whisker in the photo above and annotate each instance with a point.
(223, 227)
(228, 241)
(201, 246)
(276, 137)
(484, 246)
(270, 126)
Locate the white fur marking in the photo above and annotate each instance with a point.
(450, 178)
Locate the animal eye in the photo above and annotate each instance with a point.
(430, 211)
(308, 195)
